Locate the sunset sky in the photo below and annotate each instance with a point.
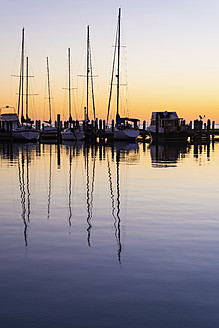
(170, 60)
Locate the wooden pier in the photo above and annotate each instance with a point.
(97, 131)
(199, 133)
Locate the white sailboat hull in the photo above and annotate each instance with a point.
(25, 134)
(49, 133)
(126, 134)
(73, 134)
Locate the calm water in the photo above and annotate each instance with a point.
(109, 237)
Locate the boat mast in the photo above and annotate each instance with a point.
(21, 83)
(48, 80)
(69, 84)
(118, 68)
(27, 93)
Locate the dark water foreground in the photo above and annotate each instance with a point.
(109, 237)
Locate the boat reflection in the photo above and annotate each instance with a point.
(167, 154)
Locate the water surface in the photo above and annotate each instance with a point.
(100, 236)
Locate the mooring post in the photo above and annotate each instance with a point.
(144, 125)
(104, 125)
(208, 130)
(135, 124)
(157, 127)
(58, 128)
(96, 125)
(92, 127)
(112, 125)
(213, 126)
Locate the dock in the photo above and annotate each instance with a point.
(97, 131)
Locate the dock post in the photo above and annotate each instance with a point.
(144, 125)
(100, 130)
(92, 127)
(157, 127)
(100, 125)
(208, 130)
(58, 128)
(113, 125)
(212, 127)
(96, 125)
(104, 125)
(135, 124)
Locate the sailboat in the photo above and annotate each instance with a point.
(74, 132)
(49, 132)
(90, 89)
(125, 128)
(25, 131)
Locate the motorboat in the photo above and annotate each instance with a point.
(167, 126)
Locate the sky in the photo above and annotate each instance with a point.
(169, 55)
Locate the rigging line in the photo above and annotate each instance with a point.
(118, 65)
(27, 89)
(22, 75)
(49, 94)
(111, 82)
(92, 86)
(69, 84)
(88, 70)
(19, 91)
